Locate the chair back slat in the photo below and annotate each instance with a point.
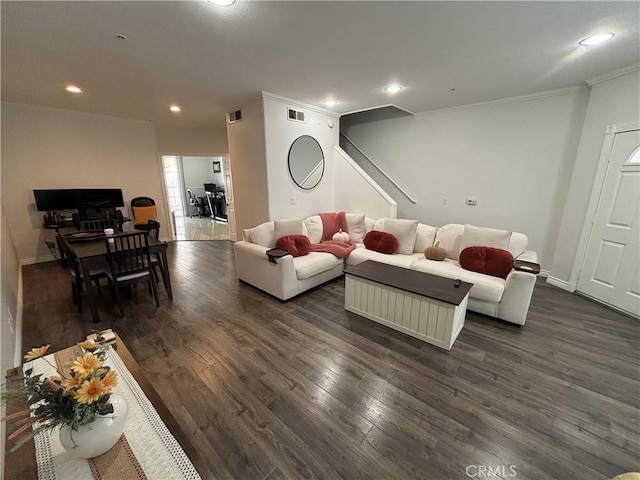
(128, 254)
(99, 224)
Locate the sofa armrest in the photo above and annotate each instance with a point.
(253, 266)
(517, 296)
(528, 256)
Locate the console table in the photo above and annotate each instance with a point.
(422, 305)
(21, 464)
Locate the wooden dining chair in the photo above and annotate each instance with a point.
(76, 275)
(129, 264)
(156, 262)
(99, 224)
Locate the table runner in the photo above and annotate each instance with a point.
(158, 454)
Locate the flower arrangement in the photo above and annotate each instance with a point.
(72, 398)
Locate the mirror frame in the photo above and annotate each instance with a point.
(322, 160)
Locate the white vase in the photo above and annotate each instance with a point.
(95, 438)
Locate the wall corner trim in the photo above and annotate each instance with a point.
(614, 74)
(504, 101)
(556, 282)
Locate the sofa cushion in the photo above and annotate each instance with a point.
(485, 287)
(517, 244)
(356, 226)
(404, 230)
(263, 235)
(381, 242)
(359, 255)
(425, 235)
(492, 261)
(296, 245)
(449, 237)
(288, 226)
(314, 228)
(315, 263)
(484, 237)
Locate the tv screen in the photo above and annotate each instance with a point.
(70, 199)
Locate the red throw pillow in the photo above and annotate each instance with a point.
(296, 245)
(489, 260)
(382, 242)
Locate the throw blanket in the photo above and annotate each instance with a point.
(331, 223)
(339, 249)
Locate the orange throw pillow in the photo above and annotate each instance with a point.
(144, 214)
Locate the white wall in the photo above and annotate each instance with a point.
(191, 140)
(9, 300)
(615, 101)
(280, 133)
(515, 157)
(357, 192)
(51, 148)
(249, 166)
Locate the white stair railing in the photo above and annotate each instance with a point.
(384, 174)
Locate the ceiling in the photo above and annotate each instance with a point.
(207, 58)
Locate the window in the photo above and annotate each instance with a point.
(635, 157)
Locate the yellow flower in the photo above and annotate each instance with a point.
(70, 383)
(90, 391)
(109, 381)
(85, 364)
(36, 352)
(88, 345)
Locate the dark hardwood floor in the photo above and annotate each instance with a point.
(303, 389)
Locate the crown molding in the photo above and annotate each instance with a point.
(614, 74)
(504, 101)
(307, 106)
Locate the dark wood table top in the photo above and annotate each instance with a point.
(420, 283)
(21, 464)
(94, 248)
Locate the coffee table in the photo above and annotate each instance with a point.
(422, 305)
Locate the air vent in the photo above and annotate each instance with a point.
(295, 115)
(235, 116)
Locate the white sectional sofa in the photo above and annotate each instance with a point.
(507, 299)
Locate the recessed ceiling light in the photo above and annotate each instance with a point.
(597, 39)
(175, 108)
(222, 3)
(330, 103)
(392, 89)
(73, 89)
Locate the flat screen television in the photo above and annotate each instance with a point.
(74, 198)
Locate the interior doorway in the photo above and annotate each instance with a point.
(196, 193)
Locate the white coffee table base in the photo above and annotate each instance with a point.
(430, 320)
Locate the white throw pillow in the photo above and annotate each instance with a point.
(263, 235)
(289, 226)
(518, 244)
(425, 235)
(404, 230)
(484, 237)
(314, 228)
(355, 226)
(449, 237)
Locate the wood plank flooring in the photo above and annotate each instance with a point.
(303, 389)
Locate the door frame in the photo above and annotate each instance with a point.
(598, 184)
(165, 200)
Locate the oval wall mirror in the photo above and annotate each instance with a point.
(306, 162)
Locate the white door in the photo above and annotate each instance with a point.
(231, 213)
(611, 264)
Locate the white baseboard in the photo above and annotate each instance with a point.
(544, 273)
(34, 260)
(556, 282)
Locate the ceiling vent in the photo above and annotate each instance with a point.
(295, 115)
(234, 116)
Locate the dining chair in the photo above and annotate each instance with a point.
(76, 275)
(129, 264)
(156, 262)
(100, 224)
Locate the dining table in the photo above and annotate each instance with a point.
(92, 254)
